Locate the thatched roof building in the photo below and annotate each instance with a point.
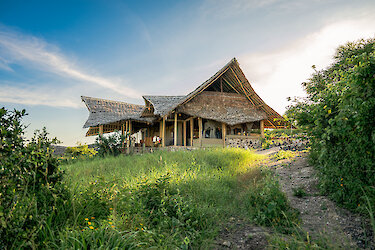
(226, 99)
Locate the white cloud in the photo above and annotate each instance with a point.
(278, 74)
(33, 52)
(225, 8)
(4, 65)
(36, 96)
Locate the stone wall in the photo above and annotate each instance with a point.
(245, 143)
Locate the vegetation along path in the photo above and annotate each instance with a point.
(323, 224)
(321, 218)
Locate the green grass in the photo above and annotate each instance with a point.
(285, 154)
(299, 192)
(164, 200)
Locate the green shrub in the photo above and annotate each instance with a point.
(30, 182)
(338, 116)
(110, 145)
(80, 152)
(267, 205)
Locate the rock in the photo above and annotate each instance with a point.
(226, 243)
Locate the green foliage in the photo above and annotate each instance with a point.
(103, 237)
(110, 145)
(169, 199)
(284, 154)
(267, 205)
(79, 152)
(30, 182)
(338, 115)
(299, 192)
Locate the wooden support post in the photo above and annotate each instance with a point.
(175, 129)
(163, 132)
(191, 131)
(262, 128)
(100, 129)
(130, 127)
(130, 133)
(123, 135)
(200, 131)
(224, 132)
(127, 137)
(184, 125)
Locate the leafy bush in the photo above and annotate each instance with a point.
(158, 207)
(110, 145)
(267, 205)
(30, 182)
(338, 115)
(80, 151)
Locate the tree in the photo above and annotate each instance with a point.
(29, 180)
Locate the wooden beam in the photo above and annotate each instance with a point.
(224, 132)
(160, 128)
(191, 131)
(163, 132)
(231, 85)
(201, 90)
(262, 128)
(175, 129)
(123, 134)
(200, 131)
(100, 129)
(244, 91)
(184, 125)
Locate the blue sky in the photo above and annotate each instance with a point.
(52, 52)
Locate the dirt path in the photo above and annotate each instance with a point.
(320, 216)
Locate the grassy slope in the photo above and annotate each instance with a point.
(167, 199)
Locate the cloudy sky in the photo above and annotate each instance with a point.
(52, 52)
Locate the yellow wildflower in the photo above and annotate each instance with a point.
(86, 219)
(113, 226)
(91, 227)
(89, 223)
(329, 111)
(93, 218)
(110, 222)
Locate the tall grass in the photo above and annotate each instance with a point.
(164, 200)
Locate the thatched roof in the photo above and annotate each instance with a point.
(232, 79)
(106, 111)
(228, 80)
(230, 108)
(163, 104)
